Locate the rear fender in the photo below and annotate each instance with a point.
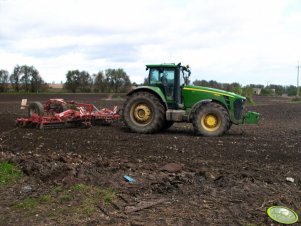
(153, 90)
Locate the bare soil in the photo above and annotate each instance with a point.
(180, 179)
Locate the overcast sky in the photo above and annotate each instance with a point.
(245, 41)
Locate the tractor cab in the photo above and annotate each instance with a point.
(170, 78)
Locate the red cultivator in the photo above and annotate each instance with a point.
(57, 113)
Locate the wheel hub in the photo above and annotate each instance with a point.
(210, 122)
(142, 113)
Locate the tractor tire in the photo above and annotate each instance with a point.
(143, 113)
(211, 120)
(167, 125)
(35, 108)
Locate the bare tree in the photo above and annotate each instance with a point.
(85, 81)
(15, 78)
(99, 82)
(117, 80)
(3, 81)
(72, 80)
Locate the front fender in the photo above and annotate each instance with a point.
(196, 106)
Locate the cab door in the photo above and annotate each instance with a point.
(164, 78)
(167, 77)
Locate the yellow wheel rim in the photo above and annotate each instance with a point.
(210, 122)
(142, 114)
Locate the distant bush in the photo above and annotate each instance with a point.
(296, 99)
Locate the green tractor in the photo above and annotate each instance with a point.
(168, 98)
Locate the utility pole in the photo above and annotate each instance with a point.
(298, 67)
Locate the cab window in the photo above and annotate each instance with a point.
(182, 80)
(154, 77)
(167, 78)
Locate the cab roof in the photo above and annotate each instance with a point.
(170, 65)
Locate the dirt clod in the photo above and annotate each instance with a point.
(172, 168)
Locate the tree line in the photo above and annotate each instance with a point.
(110, 81)
(28, 79)
(235, 87)
(23, 78)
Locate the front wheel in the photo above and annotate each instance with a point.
(144, 113)
(211, 120)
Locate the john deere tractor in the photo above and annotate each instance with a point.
(167, 98)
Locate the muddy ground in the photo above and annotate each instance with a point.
(75, 176)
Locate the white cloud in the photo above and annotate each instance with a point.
(244, 41)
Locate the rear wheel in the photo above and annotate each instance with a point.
(144, 113)
(211, 120)
(35, 108)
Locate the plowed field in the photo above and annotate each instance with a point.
(76, 176)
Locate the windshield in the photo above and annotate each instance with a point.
(162, 76)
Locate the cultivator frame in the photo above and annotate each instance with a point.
(58, 113)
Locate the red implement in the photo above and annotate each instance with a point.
(57, 113)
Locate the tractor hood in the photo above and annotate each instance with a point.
(212, 91)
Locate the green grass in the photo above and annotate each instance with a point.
(65, 197)
(58, 189)
(27, 204)
(296, 99)
(45, 199)
(87, 207)
(108, 195)
(81, 187)
(77, 201)
(31, 203)
(9, 173)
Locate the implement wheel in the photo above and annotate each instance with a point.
(144, 113)
(211, 120)
(35, 108)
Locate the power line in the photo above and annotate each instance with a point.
(298, 67)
